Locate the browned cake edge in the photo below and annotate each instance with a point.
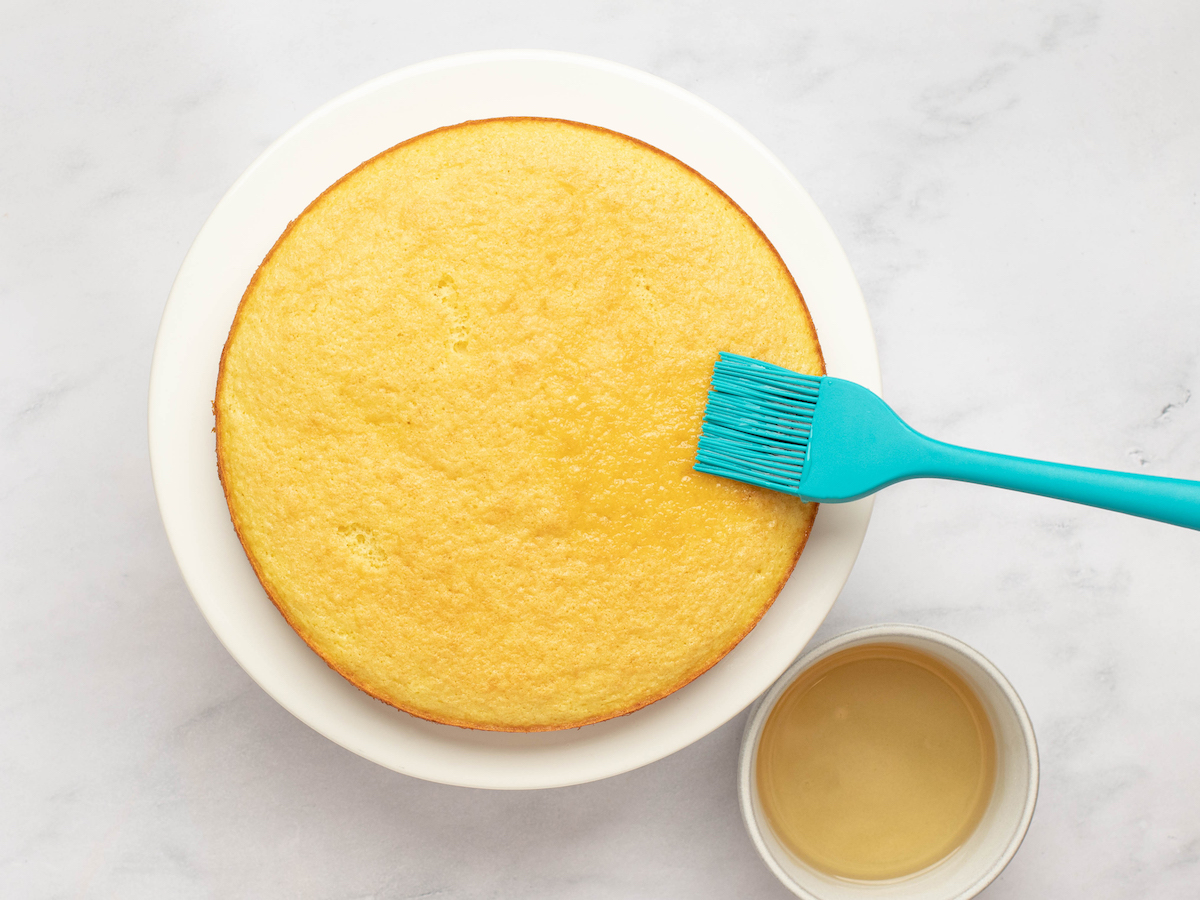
(216, 407)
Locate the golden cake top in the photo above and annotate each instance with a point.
(457, 413)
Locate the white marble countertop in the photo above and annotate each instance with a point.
(1018, 189)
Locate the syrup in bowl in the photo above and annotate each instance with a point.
(876, 763)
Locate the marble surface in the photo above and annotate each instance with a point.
(1017, 188)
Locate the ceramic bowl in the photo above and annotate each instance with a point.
(975, 864)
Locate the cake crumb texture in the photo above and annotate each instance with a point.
(457, 415)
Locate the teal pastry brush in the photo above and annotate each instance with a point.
(831, 440)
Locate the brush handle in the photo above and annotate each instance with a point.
(1172, 500)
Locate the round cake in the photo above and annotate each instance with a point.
(457, 413)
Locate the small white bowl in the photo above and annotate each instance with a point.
(974, 865)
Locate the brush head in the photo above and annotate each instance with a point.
(757, 423)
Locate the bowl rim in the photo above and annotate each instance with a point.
(322, 147)
(872, 634)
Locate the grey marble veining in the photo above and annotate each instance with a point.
(1017, 188)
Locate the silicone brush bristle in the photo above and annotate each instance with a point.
(757, 423)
